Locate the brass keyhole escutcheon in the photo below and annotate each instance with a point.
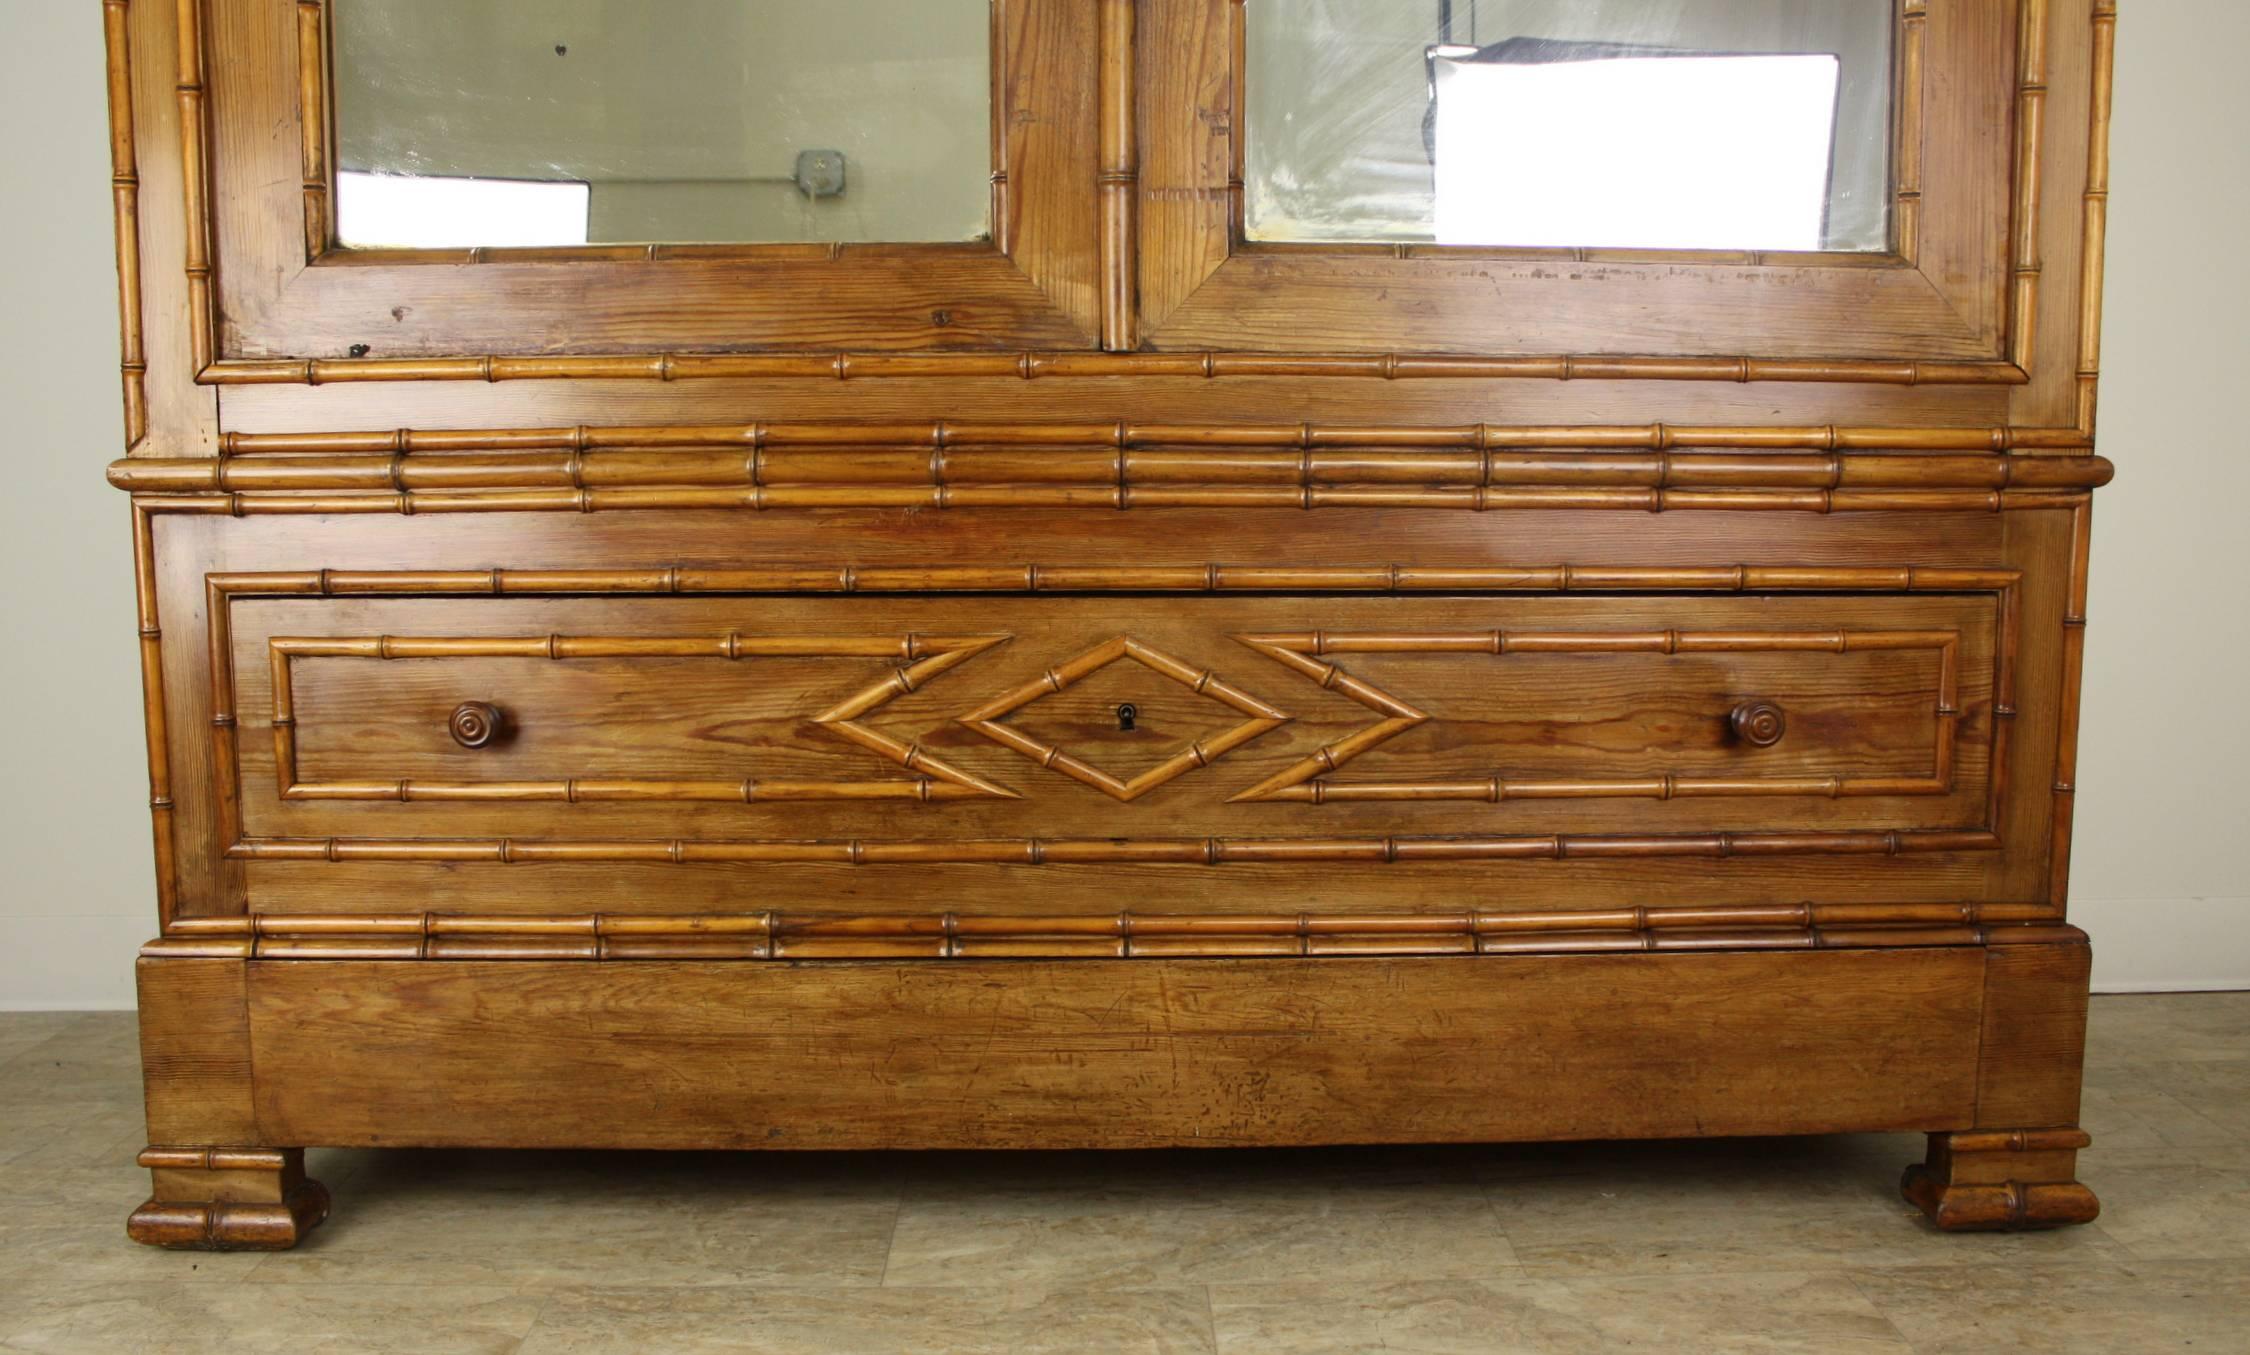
(1126, 715)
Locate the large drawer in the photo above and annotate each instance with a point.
(1105, 731)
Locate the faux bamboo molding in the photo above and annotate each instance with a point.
(2074, 670)
(2031, 107)
(1985, 1181)
(223, 588)
(151, 634)
(923, 658)
(2094, 243)
(1306, 782)
(847, 366)
(1036, 578)
(1906, 198)
(125, 191)
(195, 179)
(1479, 467)
(1259, 718)
(1120, 178)
(313, 83)
(220, 1199)
(777, 936)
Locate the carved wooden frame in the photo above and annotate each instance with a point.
(1956, 302)
(223, 589)
(258, 295)
(1121, 299)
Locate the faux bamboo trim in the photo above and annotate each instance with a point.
(1203, 851)
(1906, 198)
(1259, 719)
(1118, 183)
(125, 191)
(1003, 225)
(1565, 442)
(222, 589)
(2031, 108)
(2067, 709)
(638, 499)
(2094, 243)
(159, 1157)
(1033, 365)
(195, 179)
(1197, 578)
(162, 825)
(774, 936)
(312, 106)
(1480, 467)
(1306, 782)
(922, 658)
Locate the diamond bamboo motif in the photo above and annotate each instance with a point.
(1263, 718)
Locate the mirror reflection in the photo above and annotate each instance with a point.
(1669, 124)
(564, 122)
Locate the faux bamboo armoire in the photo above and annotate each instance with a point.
(1108, 573)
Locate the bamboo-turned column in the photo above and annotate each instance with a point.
(1003, 117)
(2096, 241)
(1914, 26)
(160, 806)
(195, 179)
(312, 101)
(2074, 668)
(125, 180)
(1119, 178)
(2031, 109)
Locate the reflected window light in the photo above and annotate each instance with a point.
(1683, 152)
(403, 211)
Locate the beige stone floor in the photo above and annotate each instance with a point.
(1766, 1246)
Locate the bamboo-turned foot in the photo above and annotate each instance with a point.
(2002, 1180)
(228, 1199)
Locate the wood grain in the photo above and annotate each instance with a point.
(1002, 1055)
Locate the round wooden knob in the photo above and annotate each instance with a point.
(1759, 723)
(475, 724)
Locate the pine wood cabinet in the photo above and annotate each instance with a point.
(1118, 681)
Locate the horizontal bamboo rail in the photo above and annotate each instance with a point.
(1011, 496)
(1032, 366)
(1003, 466)
(1193, 578)
(776, 936)
(940, 435)
(1201, 851)
(1650, 468)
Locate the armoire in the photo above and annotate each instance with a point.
(1108, 574)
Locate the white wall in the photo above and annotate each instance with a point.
(2162, 872)
(76, 887)
(2163, 876)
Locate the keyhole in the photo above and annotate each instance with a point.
(1126, 714)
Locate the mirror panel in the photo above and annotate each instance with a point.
(1656, 124)
(465, 123)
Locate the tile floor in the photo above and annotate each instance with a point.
(1768, 1246)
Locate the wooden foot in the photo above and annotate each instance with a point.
(228, 1199)
(2002, 1181)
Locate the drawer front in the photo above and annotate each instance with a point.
(795, 740)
